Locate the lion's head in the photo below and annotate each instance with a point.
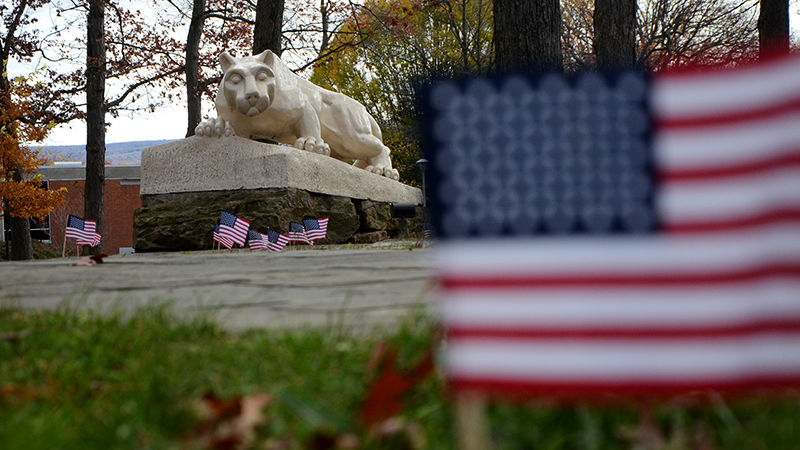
(248, 83)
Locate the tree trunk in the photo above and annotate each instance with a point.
(95, 116)
(324, 10)
(19, 236)
(21, 243)
(615, 33)
(773, 27)
(267, 31)
(527, 34)
(192, 66)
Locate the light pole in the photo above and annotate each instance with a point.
(422, 164)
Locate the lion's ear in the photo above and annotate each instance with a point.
(267, 57)
(226, 61)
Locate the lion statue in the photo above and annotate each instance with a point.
(259, 97)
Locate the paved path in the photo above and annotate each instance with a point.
(243, 289)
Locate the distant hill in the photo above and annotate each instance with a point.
(117, 153)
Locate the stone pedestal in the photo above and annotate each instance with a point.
(185, 184)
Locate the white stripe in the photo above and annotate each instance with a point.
(726, 91)
(657, 360)
(729, 198)
(616, 254)
(622, 307)
(714, 146)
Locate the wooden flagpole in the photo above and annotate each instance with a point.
(472, 426)
(64, 250)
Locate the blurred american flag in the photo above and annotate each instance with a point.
(618, 233)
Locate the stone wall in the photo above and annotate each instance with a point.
(185, 221)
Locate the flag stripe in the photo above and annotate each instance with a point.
(624, 308)
(587, 389)
(783, 107)
(730, 200)
(689, 359)
(707, 94)
(561, 332)
(777, 216)
(781, 160)
(633, 256)
(740, 144)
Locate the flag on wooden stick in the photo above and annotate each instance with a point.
(276, 241)
(256, 240)
(233, 227)
(316, 229)
(298, 234)
(82, 230)
(224, 241)
(583, 252)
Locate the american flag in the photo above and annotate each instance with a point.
(256, 240)
(224, 241)
(427, 231)
(298, 234)
(276, 241)
(316, 229)
(585, 251)
(82, 230)
(233, 227)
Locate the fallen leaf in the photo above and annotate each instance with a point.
(228, 424)
(98, 258)
(384, 399)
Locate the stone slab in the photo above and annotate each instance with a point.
(198, 164)
(351, 289)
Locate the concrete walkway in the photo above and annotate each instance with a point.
(242, 289)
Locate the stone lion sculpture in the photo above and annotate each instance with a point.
(259, 97)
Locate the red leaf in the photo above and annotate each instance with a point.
(385, 397)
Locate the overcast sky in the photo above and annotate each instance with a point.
(169, 121)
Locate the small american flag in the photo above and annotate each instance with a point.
(585, 252)
(256, 240)
(298, 234)
(233, 227)
(225, 242)
(427, 231)
(82, 230)
(316, 229)
(276, 241)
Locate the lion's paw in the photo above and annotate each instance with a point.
(313, 145)
(218, 127)
(387, 172)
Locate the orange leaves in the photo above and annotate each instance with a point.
(19, 189)
(25, 199)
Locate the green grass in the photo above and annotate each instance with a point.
(72, 379)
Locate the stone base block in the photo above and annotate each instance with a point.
(201, 164)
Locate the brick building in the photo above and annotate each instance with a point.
(120, 200)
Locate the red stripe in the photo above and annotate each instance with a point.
(718, 118)
(773, 217)
(786, 160)
(783, 325)
(617, 280)
(579, 389)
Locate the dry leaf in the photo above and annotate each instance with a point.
(385, 396)
(98, 258)
(228, 424)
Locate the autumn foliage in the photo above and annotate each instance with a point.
(19, 187)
